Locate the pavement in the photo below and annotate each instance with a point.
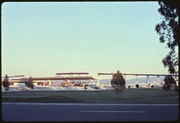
(89, 112)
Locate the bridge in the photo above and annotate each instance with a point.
(147, 75)
(58, 78)
(71, 73)
(79, 77)
(23, 79)
(138, 74)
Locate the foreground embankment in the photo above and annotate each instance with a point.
(129, 96)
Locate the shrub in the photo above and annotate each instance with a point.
(137, 85)
(6, 83)
(30, 84)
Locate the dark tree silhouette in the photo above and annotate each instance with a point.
(168, 31)
(6, 83)
(129, 86)
(30, 84)
(168, 83)
(137, 85)
(118, 82)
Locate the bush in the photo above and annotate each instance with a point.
(137, 85)
(6, 83)
(30, 84)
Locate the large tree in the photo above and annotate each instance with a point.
(168, 31)
(118, 82)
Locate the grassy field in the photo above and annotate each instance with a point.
(129, 96)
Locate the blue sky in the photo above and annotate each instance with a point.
(41, 39)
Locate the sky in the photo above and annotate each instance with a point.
(44, 38)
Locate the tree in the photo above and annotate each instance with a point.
(168, 83)
(118, 82)
(168, 31)
(6, 83)
(30, 83)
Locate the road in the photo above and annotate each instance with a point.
(88, 112)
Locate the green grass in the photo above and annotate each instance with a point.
(129, 96)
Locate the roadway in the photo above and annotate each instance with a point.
(88, 112)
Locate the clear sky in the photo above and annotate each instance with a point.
(43, 38)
